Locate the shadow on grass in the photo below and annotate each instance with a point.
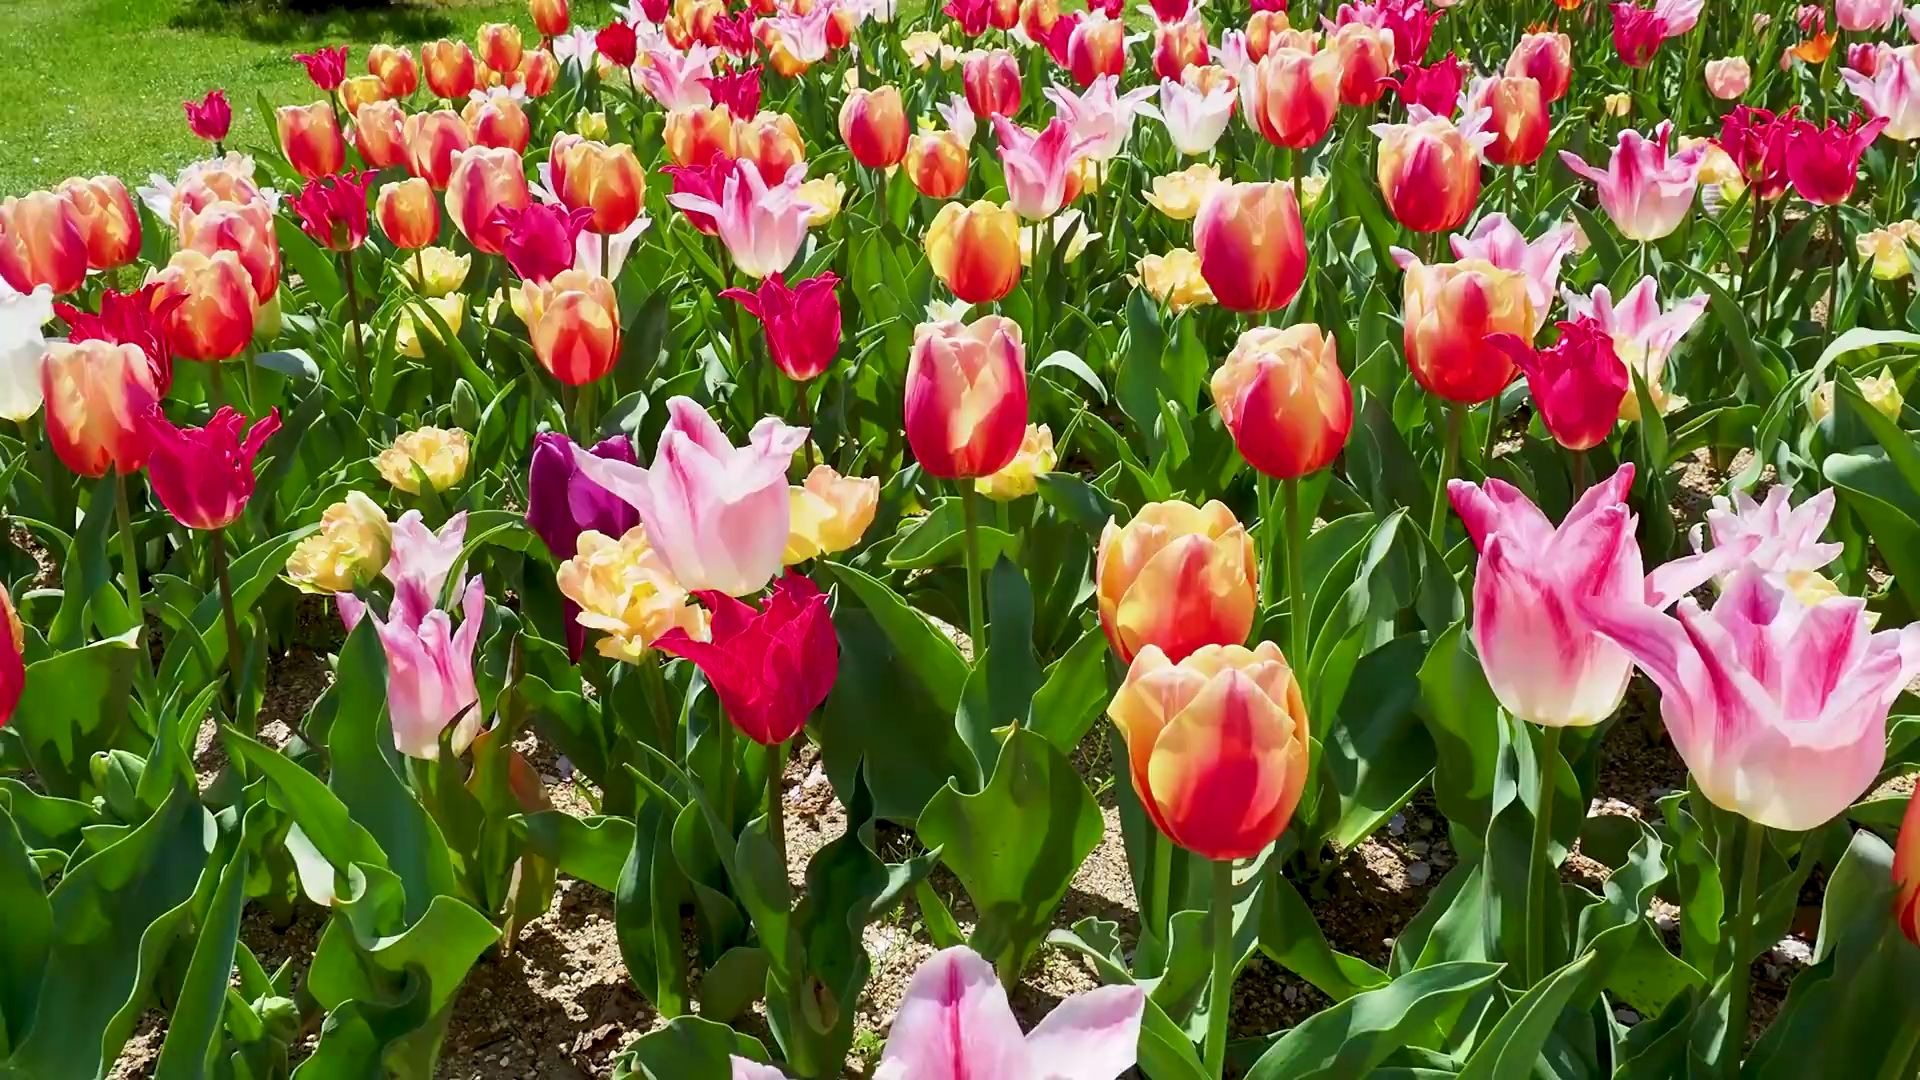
(272, 22)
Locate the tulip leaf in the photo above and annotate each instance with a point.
(75, 704)
(1460, 714)
(86, 571)
(687, 1048)
(1376, 753)
(252, 573)
(646, 918)
(1871, 486)
(1069, 702)
(1356, 1035)
(1514, 1044)
(193, 1025)
(290, 363)
(940, 539)
(1016, 845)
(592, 848)
(1292, 937)
(1006, 675)
(29, 937)
(319, 274)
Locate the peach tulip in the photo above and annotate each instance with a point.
(974, 250)
(1450, 311)
(992, 83)
(1176, 578)
(1096, 47)
(210, 303)
(484, 181)
(873, 124)
(574, 323)
(550, 17)
(771, 141)
(607, 180)
(394, 67)
(1548, 57)
(500, 46)
(937, 163)
(1252, 246)
(408, 213)
(96, 391)
(498, 120)
(450, 68)
(1291, 96)
(697, 134)
(107, 219)
(966, 401)
(360, 91)
(1729, 77)
(247, 230)
(310, 138)
(1430, 168)
(1284, 399)
(433, 138)
(379, 134)
(1366, 59)
(1517, 118)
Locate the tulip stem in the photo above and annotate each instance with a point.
(1579, 473)
(1221, 1003)
(976, 622)
(1160, 918)
(776, 811)
(1541, 875)
(353, 323)
(1449, 461)
(1747, 924)
(1296, 576)
(723, 745)
(130, 575)
(217, 550)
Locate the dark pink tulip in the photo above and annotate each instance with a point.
(540, 238)
(204, 476)
(1434, 87)
(1824, 162)
(802, 323)
(771, 667)
(326, 67)
(1577, 383)
(333, 210)
(210, 117)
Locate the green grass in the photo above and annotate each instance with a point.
(95, 86)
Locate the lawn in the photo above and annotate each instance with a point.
(97, 84)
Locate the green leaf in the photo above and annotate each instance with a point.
(940, 539)
(1356, 1035)
(1513, 1047)
(1375, 753)
(1292, 937)
(251, 573)
(1461, 716)
(592, 848)
(1069, 702)
(193, 1024)
(28, 938)
(74, 705)
(735, 981)
(687, 1048)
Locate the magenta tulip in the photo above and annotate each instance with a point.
(204, 476)
(1577, 383)
(802, 322)
(771, 667)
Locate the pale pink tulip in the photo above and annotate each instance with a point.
(762, 227)
(1785, 538)
(1859, 15)
(1778, 709)
(1643, 335)
(1913, 22)
(1100, 117)
(717, 514)
(418, 568)
(675, 79)
(430, 675)
(753, 1070)
(1497, 240)
(1195, 119)
(1729, 77)
(1644, 189)
(1678, 16)
(1037, 165)
(805, 36)
(1893, 92)
(1542, 655)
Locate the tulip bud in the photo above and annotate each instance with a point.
(771, 142)
(1177, 577)
(697, 134)
(1518, 118)
(94, 391)
(873, 124)
(211, 117)
(574, 323)
(1096, 47)
(992, 82)
(1021, 476)
(379, 134)
(43, 241)
(802, 323)
(1179, 195)
(975, 250)
(204, 476)
(1252, 246)
(1180, 45)
(107, 219)
(246, 229)
(408, 213)
(13, 671)
(499, 45)
(1577, 384)
(828, 514)
(1451, 310)
(1729, 77)
(310, 138)
(395, 69)
(1546, 57)
(824, 194)
(450, 68)
(605, 179)
(966, 401)
(937, 163)
(1284, 400)
(1366, 59)
(360, 91)
(347, 553)
(1293, 97)
(436, 453)
(497, 120)
(483, 182)
(213, 304)
(550, 17)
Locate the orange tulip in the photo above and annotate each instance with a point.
(43, 241)
(550, 17)
(1284, 400)
(1037, 18)
(1906, 872)
(1252, 246)
(937, 163)
(538, 72)
(217, 306)
(574, 323)
(1216, 746)
(1450, 310)
(379, 134)
(361, 90)
(484, 181)
(697, 134)
(1261, 30)
(975, 250)
(1295, 95)
(497, 120)
(107, 219)
(590, 175)
(772, 142)
(873, 124)
(1366, 57)
(246, 229)
(310, 137)
(499, 46)
(1545, 56)
(96, 393)
(395, 67)
(1097, 46)
(450, 68)
(1429, 171)
(1177, 577)
(408, 213)
(433, 138)
(1519, 120)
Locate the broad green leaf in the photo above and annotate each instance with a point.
(592, 848)
(1356, 1035)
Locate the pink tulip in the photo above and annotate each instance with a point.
(1646, 191)
(1913, 22)
(1577, 383)
(1099, 118)
(1037, 165)
(1643, 335)
(418, 567)
(675, 79)
(717, 514)
(1729, 77)
(1195, 119)
(1778, 709)
(430, 675)
(1785, 539)
(1891, 91)
(1542, 653)
(1434, 87)
(1679, 16)
(1859, 15)
(763, 226)
(1824, 162)
(1495, 239)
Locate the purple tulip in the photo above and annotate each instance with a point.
(562, 503)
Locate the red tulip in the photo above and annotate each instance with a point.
(1906, 870)
(483, 182)
(1824, 162)
(204, 476)
(1756, 140)
(1252, 247)
(873, 124)
(972, 15)
(1096, 46)
(739, 91)
(618, 43)
(1366, 59)
(1166, 11)
(540, 238)
(1547, 57)
(210, 117)
(772, 667)
(13, 670)
(1410, 22)
(1435, 87)
(326, 67)
(128, 319)
(333, 210)
(1637, 33)
(802, 322)
(966, 401)
(992, 83)
(450, 68)
(1577, 383)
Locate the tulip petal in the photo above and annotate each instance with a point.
(753, 1070)
(1089, 1036)
(954, 1024)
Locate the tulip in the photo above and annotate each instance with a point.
(1038, 18)
(1912, 18)
(211, 117)
(1180, 45)
(137, 318)
(13, 670)
(1495, 240)
(1866, 15)
(566, 508)
(1577, 384)
(408, 213)
(359, 92)
(1637, 33)
(1292, 96)
(1096, 46)
(1644, 190)
(327, 67)
(966, 399)
(441, 271)
(1430, 168)
(1021, 476)
(542, 239)
(761, 225)
(696, 135)
(1284, 400)
(974, 250)
(828, 514)
(769, 667)
(1174, 279)
(771, 142)
(1264, 29)
(937, 164)
(213, 304)
(310, 138)
(1756, 140)
(440, 455)
(43, 241)
(538, 73)
(379, 134)
(1435, 87)
(1195, 119)
(622, 589)
(500, 45)
(1180, 195)
(574, 323)
(347, 553)
(563, 503)
(1217, 745)
(1366, 59)
(497, 120)
(94, 390)
(1450, 311)
(802, 323)
(483, 182)
(411, 328)
(992, 82)
(677, 80)
(1887, 249)
(1098, 122)
(954, 1024)
(1177, 578)
(718, 515)
(333, 210)
(550, 17)
(1252, 246)
(108, 221)
(823, 196)
(430, 675)
(394, 67)
(1410, 22)
(605, 180)
(23, 350)
(1906, 854)
(433, 138)
(739, 91)
(1517, 118)
(1643, 336)
(1729, 77)
(1891, 94)
(873, 124)
(450, 68)
(617, 43)
(1772, 538)
(247, 230)
(204, 476)
(1547, 57)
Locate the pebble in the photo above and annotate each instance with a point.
(1626, 1016)
(1419, 872)
(1290, 993)
(1424, 824)
(1418, 848)
(1397, 824)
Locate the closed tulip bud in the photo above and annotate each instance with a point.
(1177, 578)
(1097, 46)
(497, 120)
(310, 138)
(1284, 400)
(1517, 118)
(937, 163)
(348, 552)
(499, 45)
(433, 138)
(450, 68)
(992, 82)
(539, 72)
(771, 142)
(1174, 279)
(1252, 246)
(1617, 105)
(1217, 745)
(1430, 169)
(43, 241)
(1291, 97)
(1366, 59)
(408, 213)
(1037, 18)
(1021, 476)
(107, 218)
(1180, 195)
(1262, 26)
(246, 229)
(974, 250)
(605, 179)
(697, 134)
(94, 390)
(623, 590)
(1451, 310)
(211, 117)
(438, 454)
(824, 195)
(1728, 78)
(828, 514)
(212, 304)
(204, 476)
(873, 124)
(802, 322)
(442, 271)
(574, 322)
(484, 181)
(550, 17)
(394, 67)
(379, 134)
(360, 91)
(1546, 57)
(1180, 45)
(966, 401)
(1906, 858)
